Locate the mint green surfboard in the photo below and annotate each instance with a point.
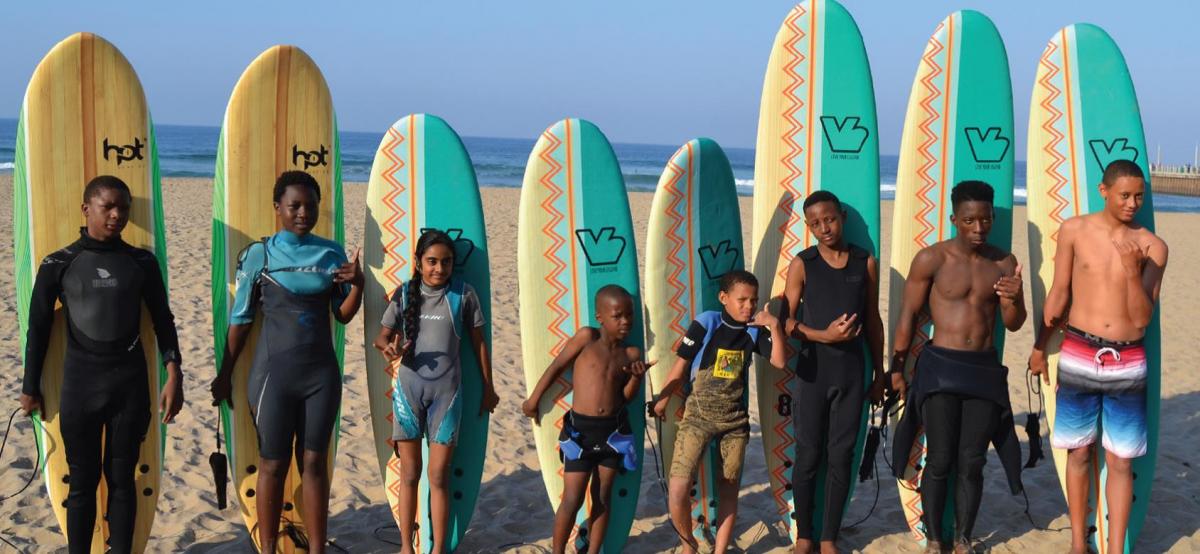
(1084, 114)
(575, 235)
(959, 126)
(422, 178)
(816, 131)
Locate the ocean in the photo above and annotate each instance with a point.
(190, 151)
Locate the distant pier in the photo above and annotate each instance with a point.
(1181, 180)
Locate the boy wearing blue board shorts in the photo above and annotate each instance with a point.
(1108, 271)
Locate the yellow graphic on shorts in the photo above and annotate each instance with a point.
(728, 364)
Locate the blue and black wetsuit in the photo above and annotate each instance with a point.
(105, 399)
(295, 386)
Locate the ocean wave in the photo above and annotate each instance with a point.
(6, 166)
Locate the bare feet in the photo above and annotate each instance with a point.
(829, 547)
(803, 546)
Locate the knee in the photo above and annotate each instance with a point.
(840, 461)
(438, 477)
(315, 464)
(277, 469)
(83, 479)
(1080, 458)
(410, 474)
(572, 500)
(1118, 466)
(938, 462)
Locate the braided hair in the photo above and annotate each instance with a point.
(412, 289)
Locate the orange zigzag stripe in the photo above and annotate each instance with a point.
(1046, 83)
(677, 286)
(794, 127)
(931, 116)
(556, 240)
(391, 199)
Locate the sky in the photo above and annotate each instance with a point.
(648, 71)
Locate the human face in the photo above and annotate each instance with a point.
(825, 221)
(740, 301)
(1124, 198)
(436, 265)
(615, 314)
(973, 221)
(298, 209)
(106, 214)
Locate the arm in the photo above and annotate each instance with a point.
(350, 272)
(46, 289)
(1058, 300)
(792, 293)
(916, 295)
(1143, 283)
(635, 368)
(1012, 296)
(480, 346)
(561, 362)
(154, 294)
(874, 321)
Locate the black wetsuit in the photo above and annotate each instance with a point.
(828, 411)
(105, 391)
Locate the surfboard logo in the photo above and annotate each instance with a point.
(988, 146)
(463, 247)
(310, 158)
(124, 153)
(601, 247)
(845, 135)
(718, 259)
(1106, 152)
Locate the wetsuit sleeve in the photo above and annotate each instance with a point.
(691, 342)
(474, 309)
(154, 294)
(394, 311)
(763, 345)
(250, 265)
(340, 290)
(47, 287)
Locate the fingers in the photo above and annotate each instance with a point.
(851, 319)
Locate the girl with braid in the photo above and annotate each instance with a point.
(422, 328)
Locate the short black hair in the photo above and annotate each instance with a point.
(105, 182)
(971, 191)
(1121, 168)
(737, 276)
(823, 196)
(614, 292)
(296, 177)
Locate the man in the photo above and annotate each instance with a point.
(959, 390)
(1108, 270)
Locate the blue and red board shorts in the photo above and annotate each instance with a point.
(1101, 386)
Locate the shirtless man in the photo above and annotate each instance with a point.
(1108, 270)
(959, 390)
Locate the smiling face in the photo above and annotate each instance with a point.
(436, 265)
(106, 213)
(972, 220)
(298, 209)
(614, 312)
(825, 221)
(1124, 197)
(740, 301)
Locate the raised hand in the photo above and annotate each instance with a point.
(1008, 287)
(638, 367)
(351, 271)
(530, 408)
(764, 318)
(842, 329)
(1133, 258)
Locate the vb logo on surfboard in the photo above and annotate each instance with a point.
(718, 259)
(844, 136)
(1106, 152)
(602, 247)
(124, 153)
(463, 247)
(310, 158)
(988, 146)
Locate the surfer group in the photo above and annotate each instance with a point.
(1107, 275)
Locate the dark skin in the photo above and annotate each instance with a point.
(106, 214)
(435, 267)
(1108, 272)
(962, 282)
(297, 211)
(607, 374)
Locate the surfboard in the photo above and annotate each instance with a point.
(84, 115)
(422, 179)
(1083, 115)
(280, 118)
(574, 236)
(695, 237)
(959, 126)
(816, 131)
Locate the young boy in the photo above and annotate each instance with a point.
(714, 356)
(834, 287)
(596, 437)
(1108, 270)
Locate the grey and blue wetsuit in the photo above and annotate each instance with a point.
(295, 387)
(429, 377)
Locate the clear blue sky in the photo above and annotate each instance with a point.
(650, 71)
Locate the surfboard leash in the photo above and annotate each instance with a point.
(32, 475)
(659, 470)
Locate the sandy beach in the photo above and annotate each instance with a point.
(513, 507)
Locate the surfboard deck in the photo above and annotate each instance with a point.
(421, 179)
(694, 237)
(814, 133)
(1083, 115)
(84, 115)
(959, 126)
(279, 118)
(575, 235)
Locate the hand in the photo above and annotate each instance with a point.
(638, 368)
(899, 385)
(1009, 287)
(841, 329)
(351, 271)
(1038, 365)
(489, 401)
(31, 403)
(878, 387)
(222, 390)
(1133, 258)
(530, 409)
(660, 406)
(392, 350)
(170, 402)
(764, 319)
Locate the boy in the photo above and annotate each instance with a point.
(596, 437)
(834, 286)
(1108, 271)
(717, 350)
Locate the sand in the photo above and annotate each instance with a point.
(513, 507)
